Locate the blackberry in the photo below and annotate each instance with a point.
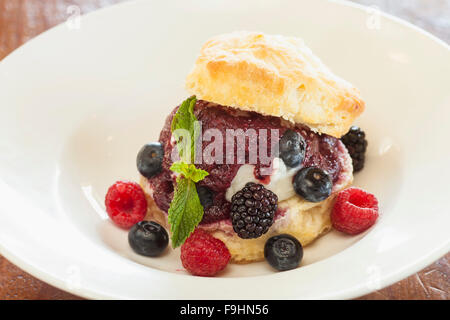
(356, 144)
(206, 196)
(253, 210)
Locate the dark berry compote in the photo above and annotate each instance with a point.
(322, 151)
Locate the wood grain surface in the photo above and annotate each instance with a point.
(21, 20)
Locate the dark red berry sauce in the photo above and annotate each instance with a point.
(321, 151)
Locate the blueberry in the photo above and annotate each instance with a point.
(313, 184)
(283, 252)
(292, 148)
(149, 159)
(206, 196)
(148, 238)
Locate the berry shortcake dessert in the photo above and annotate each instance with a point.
(250, 166)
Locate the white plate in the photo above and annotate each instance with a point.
(77, 104)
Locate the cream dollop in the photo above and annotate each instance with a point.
(280, 180)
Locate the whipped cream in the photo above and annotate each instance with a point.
(280, 180)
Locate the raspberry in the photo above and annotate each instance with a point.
(354, 211)
(204, 255)
(253, 210)
(125, 203)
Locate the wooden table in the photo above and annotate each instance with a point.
(20, 20)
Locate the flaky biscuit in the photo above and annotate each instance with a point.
(277, 76)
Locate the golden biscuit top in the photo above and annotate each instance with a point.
(274, 75)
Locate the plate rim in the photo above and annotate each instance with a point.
(351, 292)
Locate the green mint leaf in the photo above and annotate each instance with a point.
(189, 171)
(179, 167)
(197, 175)
(185, 211)
(185, 120)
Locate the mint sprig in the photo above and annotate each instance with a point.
(186, 211)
